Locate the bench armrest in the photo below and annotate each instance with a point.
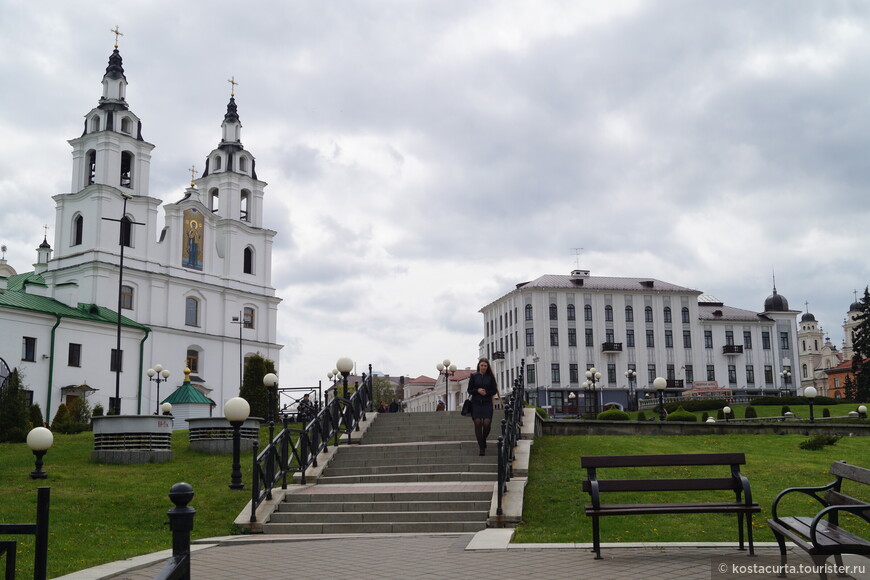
(747, 492)
(810, 491)
(860, 510)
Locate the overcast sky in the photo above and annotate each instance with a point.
(424, 157)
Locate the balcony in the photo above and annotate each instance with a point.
(732, 349)
(611, 347)
(675, 383)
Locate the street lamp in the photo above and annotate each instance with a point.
(236, 410)
(446, 369)
(39, 440)
(810, 393)
(166, 408)
(241, 322)
(631, 375)
(592, 377)
(660, 384)
(786, 380)
(726, 410)
(158, 374)
(571, 397)
(862, 411)
(270, 381)
(344, 365)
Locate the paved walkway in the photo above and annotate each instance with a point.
(481, 556)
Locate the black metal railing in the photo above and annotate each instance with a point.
(294, 450)
(510, 433)
(39, 529)
(181, 524)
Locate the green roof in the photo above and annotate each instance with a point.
(186, 394)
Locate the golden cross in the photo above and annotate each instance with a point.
(233, 82)
(118, 33)
(45, 227)
(192, 174)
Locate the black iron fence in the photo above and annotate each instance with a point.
(294, 450)
(510, 433)
(39, 529)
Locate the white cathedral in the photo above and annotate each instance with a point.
(196, 294)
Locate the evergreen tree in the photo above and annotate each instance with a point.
(849, 388)
(253, 390)
(13, 410)
(861, 347)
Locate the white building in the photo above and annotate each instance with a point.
(564, 325)
(182, 286)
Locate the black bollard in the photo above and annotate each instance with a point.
(181, 524)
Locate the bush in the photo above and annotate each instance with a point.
(720, 415)
(704, 416)
(817, 442)
(613, 414)
(696, 405)
(36, 419)
(785, 409)
(751, 413)
(98, 411)
(681, 415)
(794, 401)
(14, 413)
(16, 435)
(641, 416)
(60, 417)
(826, 412)
(80, 411)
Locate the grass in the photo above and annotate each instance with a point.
(101, 513)
(553, 509)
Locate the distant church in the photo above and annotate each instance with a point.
(193, 294)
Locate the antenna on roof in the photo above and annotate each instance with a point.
(577, 256)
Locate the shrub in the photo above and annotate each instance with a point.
(704, 416)
(13, 410)
(793, 401)
(751, 413)
(98, 411)
(36, 419)
(641, 416)
(80, 411)
(613, 414)
(785, 409)
(16, 435)
(681, 415)
(697, 405)
(60, 417)
(826, 412)
(720, 415)
(817, 442)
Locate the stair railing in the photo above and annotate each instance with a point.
(510, 432)
(39, 530)
(295, 450)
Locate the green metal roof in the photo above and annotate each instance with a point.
(186, 394)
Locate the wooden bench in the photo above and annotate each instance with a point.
(735, 482)
(821, 535)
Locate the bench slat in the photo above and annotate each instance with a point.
(853, 472)
(828, 536)
(691, 484)
(672, 508)
(662, 460)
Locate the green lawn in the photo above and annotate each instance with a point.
(554, 500)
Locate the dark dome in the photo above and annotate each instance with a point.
(808, 318)
(855, 307)
(776, 303)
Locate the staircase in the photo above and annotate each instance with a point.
(411, 473)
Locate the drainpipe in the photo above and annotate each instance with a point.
(141, 366)
(51, 368)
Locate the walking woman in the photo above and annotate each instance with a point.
(482, 388)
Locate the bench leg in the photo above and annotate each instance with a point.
(819, 562)
(740, 531)
(596, 540)
(780, 539)
(838, 558)
(749, 534)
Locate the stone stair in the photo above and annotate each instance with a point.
(411, 473)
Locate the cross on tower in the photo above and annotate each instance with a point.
(233, 83)
(117, 33)
(192, 174)
(45, 230)
(807, 304)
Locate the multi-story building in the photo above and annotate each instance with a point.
(562, 326)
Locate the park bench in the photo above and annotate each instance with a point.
(821, 535)
(735, 482)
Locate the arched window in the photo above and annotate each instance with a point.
(92, 167)
(95, 123)
(245, 200)
(554, 312)
(126, 169)
(191, 311)
(214, 199)
(248, 317)
(249, 261)
(126, 232)
(125, 125)
(629, 314)
(587, 312)
(528, 312)
(685, 315)
(608, 313)
(647, 314)
(217, 162)
(571, 315)
(127, 297)
(78, 230)
(193, 360)
(805, 371)
(667, 314)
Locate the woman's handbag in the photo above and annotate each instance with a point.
(466, 408)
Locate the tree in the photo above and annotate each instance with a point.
(253, 390)
(13, 410)
(382, 391)
(849, 388)
(861, 347)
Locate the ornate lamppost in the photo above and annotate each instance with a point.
(158, 374)
(236, 410)
(631, 375)
(786, 381)
(660, 384)
(39, 440)
(344, 365)
(810, 393)
(592, 377)
(446, 369)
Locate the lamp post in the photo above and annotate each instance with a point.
(236, 410)
(270, 381)
(592, 377)
(810, 393)
(241, 322)
(862, 411)
(166, 408)
(446, 369)
(631, 375)
(158, 374)
(39, 440)
(344, 365)
(726, 410)
(786, 381)
(660, 384)
(571, 397)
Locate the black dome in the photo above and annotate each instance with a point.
(776, 303)
(855, 307)
(808, 318)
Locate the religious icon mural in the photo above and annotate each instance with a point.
(191, 252)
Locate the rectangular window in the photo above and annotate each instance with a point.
(117, 361)
(765, 340)
(191, 311)
(248, 315)
(589, 338)
(747, 340)
(127, 297)
(750, 375)
(554, 337)
(193, 360)
(669, 339)
(28, 349)
(555, 376)
(651, 373)
(783, 340)
(608, 335)
(574, 373)
(729, 337)
(768, 375)
(629, 338)
(530, 337)
(690, 374)
(530, 374)
(732, 374)
(671, 373)
(611, 373)
(708, 339)
(711, 373)
(572, 337)
(687, 339)
(528, 312)
(74, 359)
(650, 339)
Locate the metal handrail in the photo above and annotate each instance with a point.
(510, 432)
(295, 450)
(38, 529)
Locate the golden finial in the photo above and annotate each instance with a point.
(117, 33)
(192, 175)
(186, 375)
(233, 83)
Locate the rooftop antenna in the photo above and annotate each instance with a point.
(577, 257)
(3, 250)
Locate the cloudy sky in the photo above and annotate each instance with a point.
(423, 157)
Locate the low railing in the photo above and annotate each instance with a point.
(39, 529)
(510, 433)
(294, 450)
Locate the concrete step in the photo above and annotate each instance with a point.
(408, 478)
(421, 467)
(411, 447)
(376, 528)
(375, 517)
(386, 496)
(346, 461)
(481, 505)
